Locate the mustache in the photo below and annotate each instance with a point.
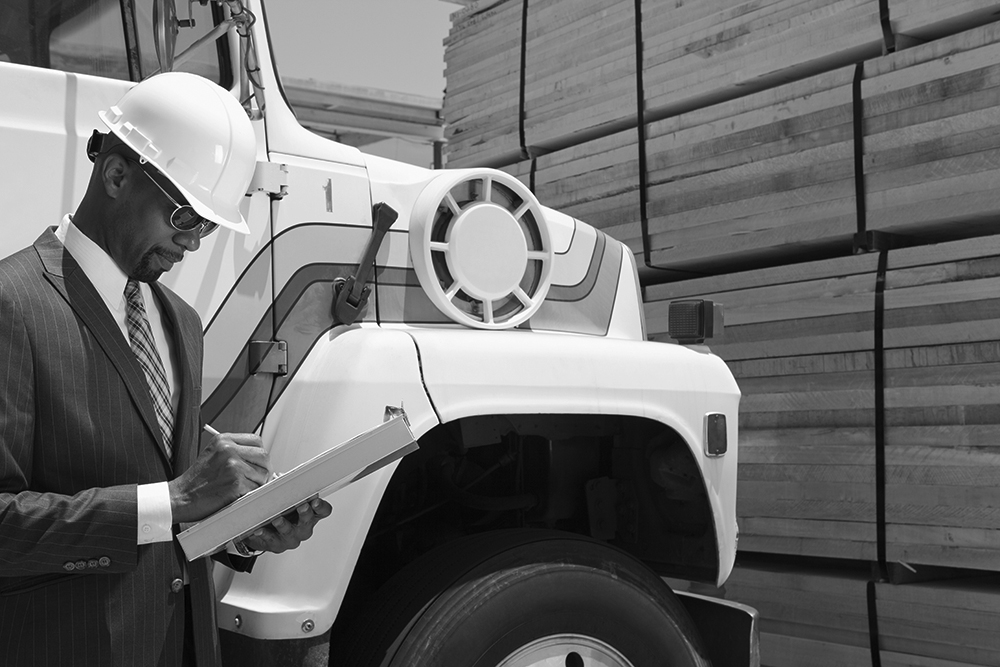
(172, 256)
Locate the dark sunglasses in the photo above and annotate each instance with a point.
(183, 218)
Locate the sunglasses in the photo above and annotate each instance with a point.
(183, 218)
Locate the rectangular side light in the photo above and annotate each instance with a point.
(715, 434)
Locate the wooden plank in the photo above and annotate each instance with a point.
(928, 19)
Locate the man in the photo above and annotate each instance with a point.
(100, 390)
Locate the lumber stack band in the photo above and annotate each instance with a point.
(535, 76)
(818, 615)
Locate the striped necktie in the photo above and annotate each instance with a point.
(140, 337)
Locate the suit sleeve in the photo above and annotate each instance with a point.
(42, 531)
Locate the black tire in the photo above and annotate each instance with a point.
(478, 601)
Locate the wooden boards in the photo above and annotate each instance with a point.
(932, 135)
(578, 60)
(942, 340)
(771, 176)
(800, 341)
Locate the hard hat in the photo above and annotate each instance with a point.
(197, 135)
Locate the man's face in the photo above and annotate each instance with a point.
(147, 245)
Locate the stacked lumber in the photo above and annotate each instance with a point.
(932, 136)
(483, 73)
(580, 74)
(769, 174)
(579, 61)
(818, 615)
(580, 71)
(951, 623)
(799, 340)
(942, 340)
(698, 53)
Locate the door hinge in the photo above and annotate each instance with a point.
(270, 177)
(268, 356)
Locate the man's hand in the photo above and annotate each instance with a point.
(229, 467)
(288, 531)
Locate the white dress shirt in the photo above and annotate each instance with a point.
(155, 518)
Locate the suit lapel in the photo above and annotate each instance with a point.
(72, 283)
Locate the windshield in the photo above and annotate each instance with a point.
(95, 36)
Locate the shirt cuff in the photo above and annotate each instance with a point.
(155, 517)
(239, 548)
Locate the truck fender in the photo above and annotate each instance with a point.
(341, 389)
(520, 372)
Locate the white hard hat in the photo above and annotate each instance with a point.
(197, 135)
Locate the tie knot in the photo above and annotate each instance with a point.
(132, 291)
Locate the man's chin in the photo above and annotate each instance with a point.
(151, 267)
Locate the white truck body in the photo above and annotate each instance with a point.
(582, 352)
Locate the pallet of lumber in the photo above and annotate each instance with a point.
(799, 340)
(694, 56)
(483, 74)
(818, 615)
(942, 341)
(580, 64)
(579, 77)
(770, 174)
(580, 72)
(932, 136)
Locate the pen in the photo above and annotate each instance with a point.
(211, 431)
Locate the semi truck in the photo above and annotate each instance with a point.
(565, 466)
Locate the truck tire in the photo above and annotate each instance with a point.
(520, 598)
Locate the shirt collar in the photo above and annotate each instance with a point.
(102, 271)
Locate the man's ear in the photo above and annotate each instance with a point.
(114, 171)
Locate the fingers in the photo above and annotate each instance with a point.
(258, 463)
(230, 465)
(321, 508)
(249, 449)
(290, 530)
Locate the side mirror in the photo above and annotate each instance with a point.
(165, 28)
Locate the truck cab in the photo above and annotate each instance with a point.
(563, 457)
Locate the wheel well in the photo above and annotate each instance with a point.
(629, 481)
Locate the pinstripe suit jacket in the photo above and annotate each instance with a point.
(77, 434)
